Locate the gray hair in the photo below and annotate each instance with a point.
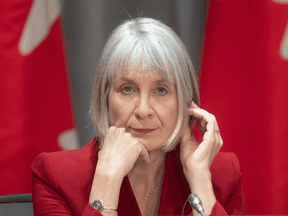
(157, 49)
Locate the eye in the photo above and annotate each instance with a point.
(162, 90)
(127, 89)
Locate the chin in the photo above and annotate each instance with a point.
(153, 147)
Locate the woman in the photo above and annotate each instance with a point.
(141, 109)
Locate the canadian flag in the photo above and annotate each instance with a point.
(35, 100)
(244, 83)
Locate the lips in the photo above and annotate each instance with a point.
(144, 130)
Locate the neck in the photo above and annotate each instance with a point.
(148, 174)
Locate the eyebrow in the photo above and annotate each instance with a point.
(130, 80)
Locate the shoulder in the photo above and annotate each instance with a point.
(63, 179)
(67, 158)
(65, 164)
(226, 176)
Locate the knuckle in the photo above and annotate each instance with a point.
(128, 135)
(120, 130)
(109, 131)
(139, 147)
(212, 136)
(137, 143)
(112, 129)
(221, 143)
(212, 117)
(219, 147)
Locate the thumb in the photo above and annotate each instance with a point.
(188, 142)
(144, 155)
(186, 135)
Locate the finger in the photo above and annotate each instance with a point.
(218, 141)
(218, 137)
(202, 118)
(187, 140)
(203, 115)
(201, 124)
(144, 155)
(216, 145)
(217, 134)
(212, 135)
(208, 120)
(216, 126)
(194, 105)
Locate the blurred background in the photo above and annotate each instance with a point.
(49, 51)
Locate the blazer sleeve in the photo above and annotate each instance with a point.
(46, 193)
(235, 204)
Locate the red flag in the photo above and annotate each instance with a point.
(35, 108)
(244, 82)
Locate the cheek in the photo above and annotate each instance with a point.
(172, 117)
(118, 111)
(171, 106)
(168, 113)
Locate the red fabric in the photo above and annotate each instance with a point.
(62, 182)
(35, 103)
(244, 83)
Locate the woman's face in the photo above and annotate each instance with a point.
(143, 100)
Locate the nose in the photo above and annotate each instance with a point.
(143, 109)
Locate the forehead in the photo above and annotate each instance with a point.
(137, 75)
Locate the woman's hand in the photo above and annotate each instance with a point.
(115, 160)
(120, 152)
(196, 158)
(199, 156)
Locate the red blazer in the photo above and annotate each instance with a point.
(61, 184)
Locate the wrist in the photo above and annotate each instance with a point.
(108, 172)
(198, 173)
(98, 204)
(106, 169)
(198, 177)
(105, 187)
(201, 185)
